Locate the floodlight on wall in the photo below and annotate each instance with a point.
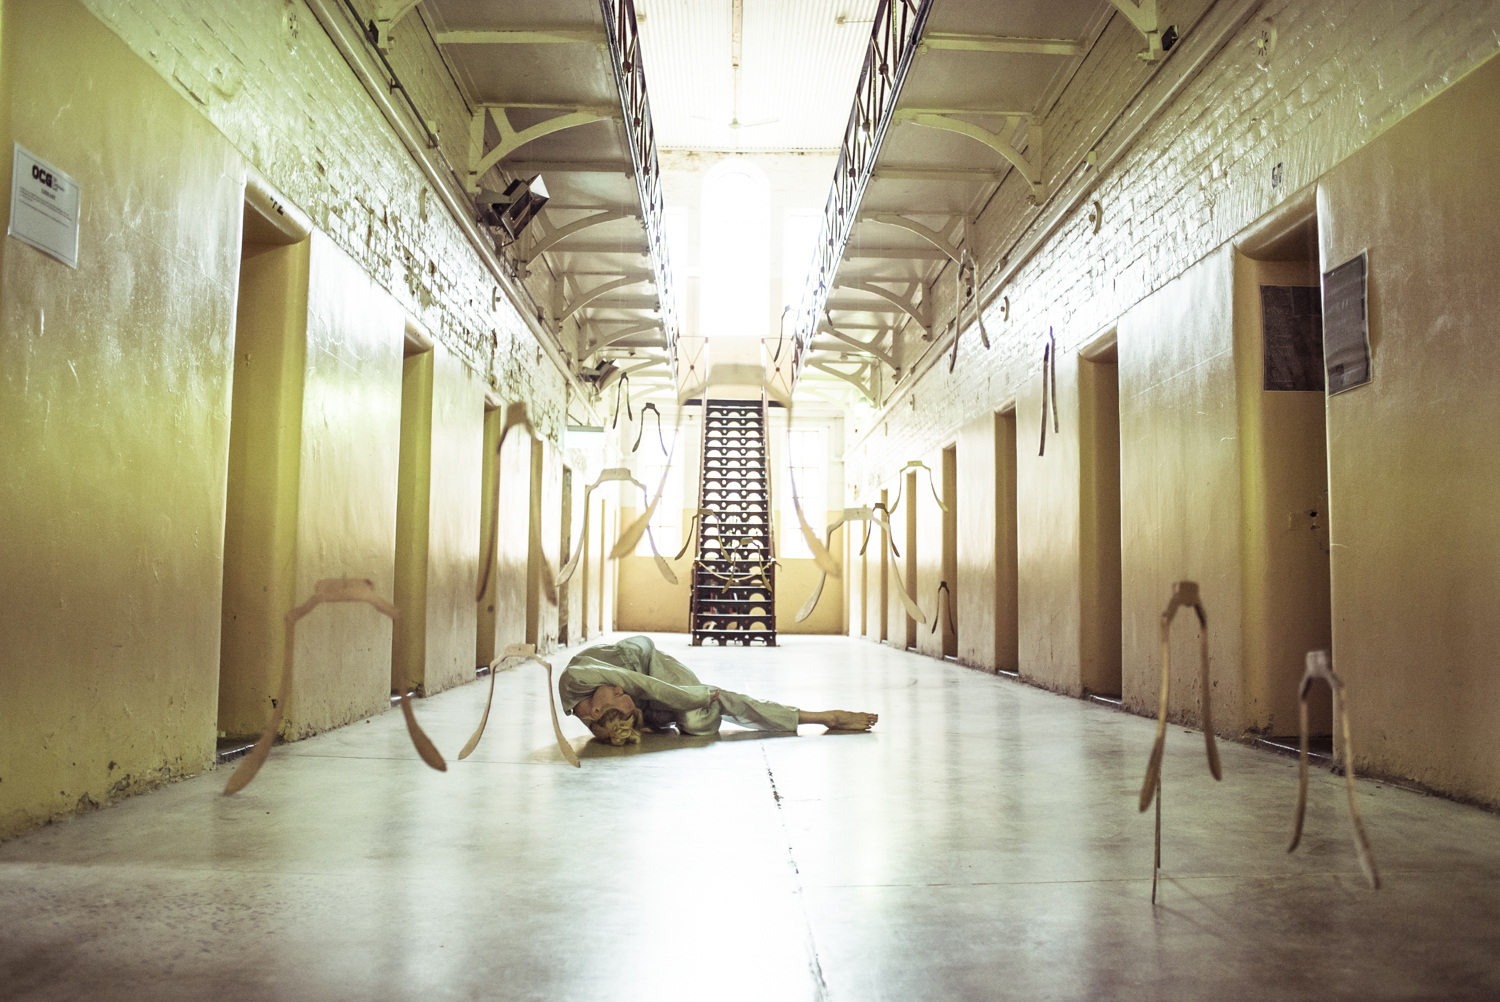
(514, 208)
(581, 436)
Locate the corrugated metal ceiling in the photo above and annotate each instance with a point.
(799, 64)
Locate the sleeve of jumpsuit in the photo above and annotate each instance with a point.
(578, 681)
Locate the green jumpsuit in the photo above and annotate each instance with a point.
(665, 690)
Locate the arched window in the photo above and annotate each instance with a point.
(735, 290)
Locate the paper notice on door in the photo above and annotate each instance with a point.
(1346, 329)
(44, 207)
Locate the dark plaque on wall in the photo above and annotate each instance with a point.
(1346, 331)
(1292, 337)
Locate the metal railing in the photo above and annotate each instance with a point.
(624, 41)
(893, 43)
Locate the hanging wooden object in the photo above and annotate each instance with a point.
(1319, 668)
(327, 590)
(1184, 594)
(516, 654)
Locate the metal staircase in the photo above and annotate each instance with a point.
(734, 577)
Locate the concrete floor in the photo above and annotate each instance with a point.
(982, 843)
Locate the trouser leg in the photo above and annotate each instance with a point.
(757, 714)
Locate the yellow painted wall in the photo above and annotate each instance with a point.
(115, 383)
(542, 558)
(1284, 473)
(929, 635)
(504, 605)
(437, 541)
(346, 512)
(854, 580)
(1413, 467)
(877, 567)
(985, 603)
(796, 580)
(647, 602)
(1048, 547)
(489, 475)
(1180, 488)
(897, 563)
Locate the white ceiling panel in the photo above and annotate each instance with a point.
(799, 64)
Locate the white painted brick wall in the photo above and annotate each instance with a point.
(267, 75)
(1343, 72)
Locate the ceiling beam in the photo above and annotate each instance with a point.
(1002, 142)
(526, 168)
(1000, 43)
(620, 335)
(547, 36)
(602, 289)
(895, 254)
(582, 248)
(852, 379)
(627, 303)
(917, 311)
(550, 236)
(937, 174)
(871, 346)
(942, 241)
(481, 160)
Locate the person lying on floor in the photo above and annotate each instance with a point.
(617, 689)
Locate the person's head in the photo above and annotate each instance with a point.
(612, 715)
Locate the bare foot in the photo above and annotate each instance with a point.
(849, 720)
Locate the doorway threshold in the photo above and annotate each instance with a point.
(1319, 748)
(230, 749)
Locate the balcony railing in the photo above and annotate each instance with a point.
(623, 36)
(893, 43)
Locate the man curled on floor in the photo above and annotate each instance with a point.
(622, 688)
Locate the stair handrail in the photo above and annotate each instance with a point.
(765, 448)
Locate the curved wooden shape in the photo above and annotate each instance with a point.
(516, 654)
(327, 590)
(1319, 668)
(1184, 594)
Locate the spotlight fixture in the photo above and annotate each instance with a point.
(514, 208)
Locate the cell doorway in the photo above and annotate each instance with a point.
(1099, 537)
(265, 434)
(1279, 371)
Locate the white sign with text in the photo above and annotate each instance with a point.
(44, 207)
